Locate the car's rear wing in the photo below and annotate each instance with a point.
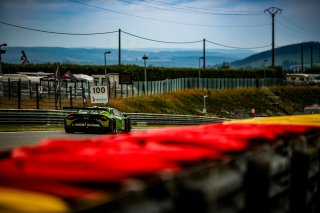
(87, 108)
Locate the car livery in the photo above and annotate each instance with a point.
(97, 119)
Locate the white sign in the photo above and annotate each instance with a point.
(40, 89)
(99, 94)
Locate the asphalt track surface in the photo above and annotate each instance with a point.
(9, 140)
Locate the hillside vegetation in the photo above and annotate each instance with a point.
(285, 56)
(230, 103)
(154, 73)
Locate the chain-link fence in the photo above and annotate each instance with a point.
(59, 93)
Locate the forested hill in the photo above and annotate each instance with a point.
(285, 56)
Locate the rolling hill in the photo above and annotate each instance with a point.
(285, 57)
(95, 56)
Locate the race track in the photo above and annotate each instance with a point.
(9, 140)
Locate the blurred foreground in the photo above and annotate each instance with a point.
(254, 165)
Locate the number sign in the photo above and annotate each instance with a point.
(99, 94)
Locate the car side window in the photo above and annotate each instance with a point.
(117, 113)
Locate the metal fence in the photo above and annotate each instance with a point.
(56, 94)
(48, 117)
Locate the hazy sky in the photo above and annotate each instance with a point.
(236, 23)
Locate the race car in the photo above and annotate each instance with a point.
(98, 120)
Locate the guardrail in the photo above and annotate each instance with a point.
(53, 117)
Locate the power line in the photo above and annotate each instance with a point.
(166, 21)
(190, 42)
(167, 42)
(200, 8)
(137, 36)
(154, 7)
(298, 26)
(192, 11)
(233, 47)
(53, 32)
(284, 28)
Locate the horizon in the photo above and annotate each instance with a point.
(159, 57)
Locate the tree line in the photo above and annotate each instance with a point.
(153, 73)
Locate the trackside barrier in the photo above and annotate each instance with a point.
(31, 116)
(265, 165)
(47, 117)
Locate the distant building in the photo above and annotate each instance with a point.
(303, 79)
(313, 109)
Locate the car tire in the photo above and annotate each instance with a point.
(112, 127)
(127, 125)
(115, 127)
(69, 130)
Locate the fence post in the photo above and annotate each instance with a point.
(70, 96)
(37, 95)
(49, 88)
(115, 89)
(127, 90)
(19, 94)
(144, 89)
(9, 86)
(66, 88)
(30, 89)
(84, 100)
(121, 90)
(132, 89)
(55, 96)
(138, 88)
(75, 90)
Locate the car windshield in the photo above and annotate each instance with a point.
(93, 111)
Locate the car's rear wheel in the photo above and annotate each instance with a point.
(112, 126)
(68, 129)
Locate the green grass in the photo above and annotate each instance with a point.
(224, 103)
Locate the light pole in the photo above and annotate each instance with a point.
(105, 62)
(2, 52)
(200, 86)
(145, 58)
(204, 111)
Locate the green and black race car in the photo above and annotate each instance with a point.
(96, 119)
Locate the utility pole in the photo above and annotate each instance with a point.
(319, 54)
(301, 57)
(204, 53)
(145, 58)
(273, 11)
(2, 52)
(119, 51)
(311, 56)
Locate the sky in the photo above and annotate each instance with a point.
(184, 24)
